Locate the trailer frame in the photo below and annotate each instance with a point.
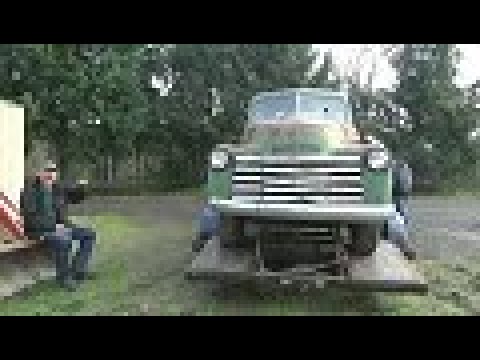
(386, 269)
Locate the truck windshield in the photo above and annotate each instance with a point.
(274, 107)
(311, 107)
(322, 108)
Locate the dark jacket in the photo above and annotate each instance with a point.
(38, 208)
(43, 208)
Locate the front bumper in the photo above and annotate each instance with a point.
(354, 212)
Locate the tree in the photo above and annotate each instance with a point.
(94, 102)
(435, 135)
(82, 99)
(212, 86)
(325, 76)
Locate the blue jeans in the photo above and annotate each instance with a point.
(61, 246)
(398, 227)
(209, 222)
(402, 208)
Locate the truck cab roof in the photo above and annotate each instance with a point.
(317, 104)
(316, 91)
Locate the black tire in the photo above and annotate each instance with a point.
(364, 240)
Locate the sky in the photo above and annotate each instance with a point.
(361, 57)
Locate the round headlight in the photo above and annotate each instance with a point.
(378, 160)
(219, 160)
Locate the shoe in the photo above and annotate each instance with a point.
(83, 276)
(410, 255)
(67, 283)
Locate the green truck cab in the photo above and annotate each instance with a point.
(303, 189)
(310, 126)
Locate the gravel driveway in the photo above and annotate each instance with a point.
(446, 228)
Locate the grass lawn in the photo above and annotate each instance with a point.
(140, 272)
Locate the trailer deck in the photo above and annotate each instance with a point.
(23, 266)
(387, 269)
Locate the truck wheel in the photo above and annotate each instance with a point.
(365, 239)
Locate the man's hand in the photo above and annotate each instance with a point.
(63, 230)
(60, 229)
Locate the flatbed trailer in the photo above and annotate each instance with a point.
(22, 265)
(305, 196)
(386, 269)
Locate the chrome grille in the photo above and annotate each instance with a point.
(298, 179)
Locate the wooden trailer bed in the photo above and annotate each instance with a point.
(387, 269)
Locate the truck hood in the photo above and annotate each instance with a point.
(304, 139)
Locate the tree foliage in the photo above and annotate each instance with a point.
(439, 117)
(212, 85)
(93, 101)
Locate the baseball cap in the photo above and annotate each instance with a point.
(50, 167)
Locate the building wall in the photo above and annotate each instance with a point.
(12, 152)
(11, 163)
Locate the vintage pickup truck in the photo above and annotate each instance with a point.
(303, 197)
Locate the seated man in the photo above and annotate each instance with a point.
(43, 205)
